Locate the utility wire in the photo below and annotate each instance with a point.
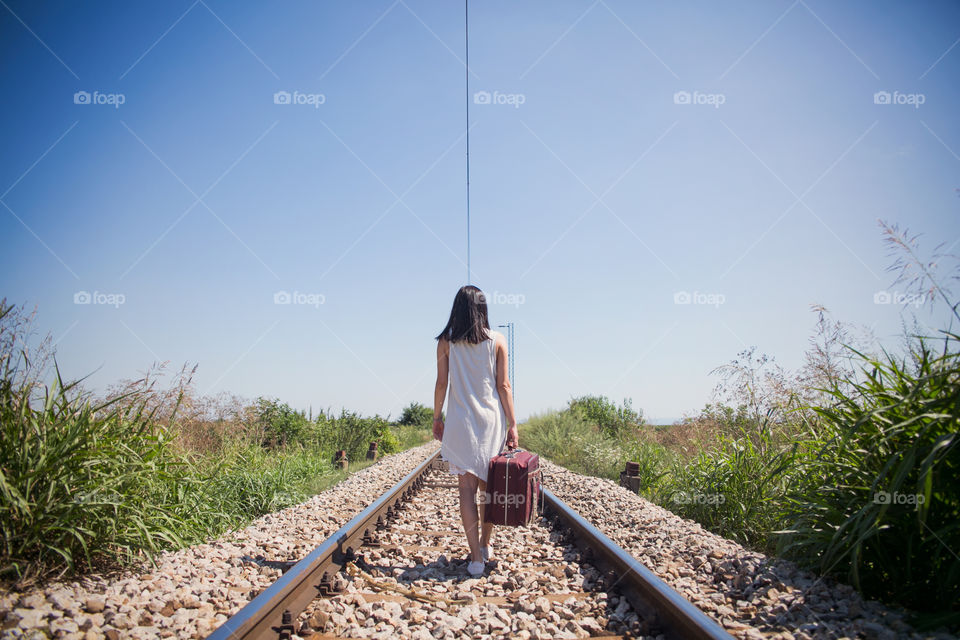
(466, 33)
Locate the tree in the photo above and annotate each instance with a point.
(416, 414)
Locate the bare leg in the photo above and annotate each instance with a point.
(486, 529)
(468, 513)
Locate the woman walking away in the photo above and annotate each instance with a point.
(472, 359)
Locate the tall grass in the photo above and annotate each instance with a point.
(850, 466)
(80, 478)
(85, 482)
(569, 439)
(879, 505)
(737, 488)
(861, 484)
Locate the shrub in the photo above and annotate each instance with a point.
(736, 490)
(80, 481)
(416, 414)
(87, 481)
(280, 424)
(606, 415)
(653, 459)
(559, 436)
(568, 439)
(880, 504)
(354, 433)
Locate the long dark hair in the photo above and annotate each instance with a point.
(468, 318)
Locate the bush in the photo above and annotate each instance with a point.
(280, 424)
(353, 433)
(559, 436)
(570, 440)
(653, 459)
(880, 502)
(86, 481)
(738, 489)
(416, 414)
(606, 415)
(81, 481)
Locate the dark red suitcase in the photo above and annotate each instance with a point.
(513, 488)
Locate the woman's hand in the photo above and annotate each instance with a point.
(438, 429)
(513, 437)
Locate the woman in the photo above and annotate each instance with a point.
(474, 361)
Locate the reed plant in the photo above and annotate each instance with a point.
(92, 482)
(879, 503)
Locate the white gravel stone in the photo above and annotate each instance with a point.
(214, 579)
(188, 593)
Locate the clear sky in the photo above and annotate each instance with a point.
(179, 165)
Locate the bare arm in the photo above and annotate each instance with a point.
(440, 390)
(505, 391)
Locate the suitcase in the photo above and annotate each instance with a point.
(513, 488)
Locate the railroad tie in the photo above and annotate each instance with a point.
(407, 592)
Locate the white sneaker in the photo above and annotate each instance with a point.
(485, 552)
(475, 568)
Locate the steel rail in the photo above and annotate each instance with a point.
(272, 613)
(651, 597)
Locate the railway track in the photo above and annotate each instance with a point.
(398, 569)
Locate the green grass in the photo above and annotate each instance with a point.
(80, 478)
(85, 482)
(572, 441)
(863, 487)
(879, 503)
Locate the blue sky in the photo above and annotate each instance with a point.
(185, 162)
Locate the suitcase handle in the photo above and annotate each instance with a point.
(509, 453)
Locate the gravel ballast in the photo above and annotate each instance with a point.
(190, 592)
(752, 595)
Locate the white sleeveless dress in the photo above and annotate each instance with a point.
(476, 428)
